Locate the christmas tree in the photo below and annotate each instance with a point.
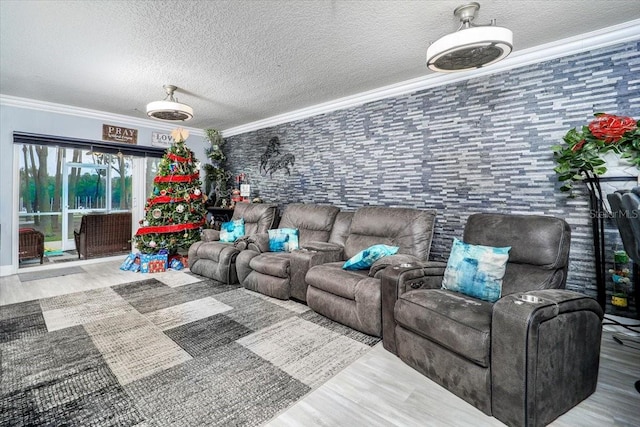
(216, 175)
(174, 213)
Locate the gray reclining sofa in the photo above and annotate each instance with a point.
(314, 274)
(217, 260)
(281, 274)
(526, 358)
(353, 297)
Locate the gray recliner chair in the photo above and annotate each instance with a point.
(217, 260)
(625, 206)
(352, 297)
(281, 274)
(525, 359)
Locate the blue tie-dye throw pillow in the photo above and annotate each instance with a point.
(230, 231)
(476, 270)
(283, 240)
(365, 258)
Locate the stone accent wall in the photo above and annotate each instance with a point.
(481, 145)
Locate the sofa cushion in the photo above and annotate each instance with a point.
(455, 321)
(409, 229)
(340, 230)
(314, 222)
(333, 279)
(231, 230)
(476, 270)
(283, 239)
(539, 247)
(535, 240)
(258, 217)
(214, 250)
(272, 264)
(366, 257)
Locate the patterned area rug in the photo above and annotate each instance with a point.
(186, 352)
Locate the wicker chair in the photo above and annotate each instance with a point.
(31, 244)
(103, 234)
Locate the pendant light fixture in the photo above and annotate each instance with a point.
(471, 46)
(169, 109)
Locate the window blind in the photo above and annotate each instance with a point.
(85, 144)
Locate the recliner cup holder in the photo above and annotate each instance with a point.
(403, 265)
(530, 299)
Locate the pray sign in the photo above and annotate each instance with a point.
(119, 134)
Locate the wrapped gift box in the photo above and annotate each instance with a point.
(153, 263)
(175, 262)
(129, 261)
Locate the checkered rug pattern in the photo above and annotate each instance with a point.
(170, 350)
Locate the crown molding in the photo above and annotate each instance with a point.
(621, 33)
(50, 107)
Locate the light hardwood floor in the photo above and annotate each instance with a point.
(378, 389)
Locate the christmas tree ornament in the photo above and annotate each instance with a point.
(179, 134)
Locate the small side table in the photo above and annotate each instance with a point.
(218, 216)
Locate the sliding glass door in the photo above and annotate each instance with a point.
(59, 184)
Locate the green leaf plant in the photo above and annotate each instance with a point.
(216, 176)
(580, 157)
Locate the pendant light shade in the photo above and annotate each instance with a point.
(169, 109)
(471, 47)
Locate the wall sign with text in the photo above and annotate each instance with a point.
(119, 134)
(159, 139)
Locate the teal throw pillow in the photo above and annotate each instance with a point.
(230, 231)
(283, 240)
(476, 270)
(365, 258)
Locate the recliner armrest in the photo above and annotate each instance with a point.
(323, 247)
(258, 242)
(301, 262)
(396, 259)
(399, 279)
(545, 348)
(242, 242)
(210, 235)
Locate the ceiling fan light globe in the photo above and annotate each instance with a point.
(469, 49)
(169, 111)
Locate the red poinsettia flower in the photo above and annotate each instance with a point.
(610, 128)
(578, 146)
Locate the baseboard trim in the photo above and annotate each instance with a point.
(6, 270)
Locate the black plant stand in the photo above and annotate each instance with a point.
(596, 206)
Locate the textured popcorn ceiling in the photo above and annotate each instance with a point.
(236, 62)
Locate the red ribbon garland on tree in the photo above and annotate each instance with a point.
(178, 158)
(170, 228)
(177, 178)
(169, 199)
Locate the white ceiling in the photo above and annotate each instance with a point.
(239, 61)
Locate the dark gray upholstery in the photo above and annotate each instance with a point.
(525, 363)
(281, 274)
(353, 297)
(625, 207)
(216, 260)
